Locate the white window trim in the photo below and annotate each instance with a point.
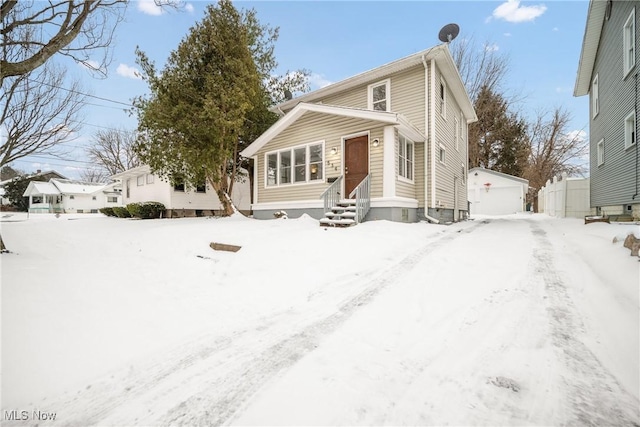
(408, 141)
(629, 43)
(595, 97)
(320, 180)
(443, 99)
(387, 84)
(457, 132)
(442, 148)
(600, 152)
(140, 180)
(627, 136)
(149, 178)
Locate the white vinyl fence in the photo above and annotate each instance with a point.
(565, 197)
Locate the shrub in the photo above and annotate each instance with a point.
(146, 210)
(121, 212)
(107, 211)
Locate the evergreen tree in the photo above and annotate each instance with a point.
(498, 139)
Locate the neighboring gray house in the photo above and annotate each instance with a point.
(608, 72)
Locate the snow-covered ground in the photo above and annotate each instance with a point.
(515, 320)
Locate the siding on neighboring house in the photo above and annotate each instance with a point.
(615, 181)
(315, 127)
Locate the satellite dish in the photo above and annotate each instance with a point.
(448, 33)
(287, 94)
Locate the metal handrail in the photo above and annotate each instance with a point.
(331, 195)
(363, 198)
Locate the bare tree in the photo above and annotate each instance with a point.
(37, 114)
(554, 150)
(480, 65)
(113, 150)
(94, 175)
(33, 31)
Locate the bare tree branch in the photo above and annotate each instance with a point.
(113, 150)
(38, 117)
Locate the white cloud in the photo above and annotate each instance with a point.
(579, 135)
(555, 29)
(149, 7)
(318, 81)
(491, 47)
(129, 72)
(507, 34)
(189, 7)
(512, 11)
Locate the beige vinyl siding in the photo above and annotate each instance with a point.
(314, 127)
(445, 135)
(419, 174)
(355, 97)
(408, 95)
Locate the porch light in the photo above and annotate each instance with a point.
(334, 150)
(314, 169)
(376, 142)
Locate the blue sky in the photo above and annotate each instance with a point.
(336, 40)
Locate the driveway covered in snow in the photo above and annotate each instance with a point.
(510, 320)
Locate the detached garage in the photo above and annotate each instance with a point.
(496, 193)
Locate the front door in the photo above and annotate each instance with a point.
(356, 162)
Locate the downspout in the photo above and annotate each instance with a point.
(432, 131)
(635, 136)
(426, 130)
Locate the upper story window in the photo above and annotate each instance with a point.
(296, 165)
(178, 184)
(600, 149)
(379, 96)
(630, 130)
(140, 180)
(595, 97)
(629, 37)
(442, 154)
(201, 188)
(462, 126)
(405, 158)
(443, 98)
(149, 179)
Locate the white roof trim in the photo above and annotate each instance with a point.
(439, 53)
(129, 173)
(496, 173)
(391, 118)
(590, 42)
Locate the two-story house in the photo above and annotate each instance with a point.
(608, 72)
(392, 140)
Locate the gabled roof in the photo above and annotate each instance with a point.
(34, 175)
(67, 186)
(500, 174)
(130, 173)
(590, 42)
(379, 116)
(439, 53)
(40, 187)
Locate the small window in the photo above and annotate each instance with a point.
(285, 167)
(630, 130)
(379, 96)
(149, 179)
(441, 154)
(112, 199)
(72, 197)
(405, 158)
(128, 188)
(300, 159)
(201, 188)
(443, 98)
(464, 174)
(272, 169)
(36, 199)
(140, 180)
(93, 198)
(629, 37)
(600, 149)
(462, 122)
(595, 99)
(178, 184)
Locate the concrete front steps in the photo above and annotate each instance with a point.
(341, 215)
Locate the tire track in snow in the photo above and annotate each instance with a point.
(595, 396)
(207, 381)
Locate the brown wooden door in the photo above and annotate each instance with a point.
(356, 162)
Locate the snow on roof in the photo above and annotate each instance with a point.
(41, 187)
(68, 186)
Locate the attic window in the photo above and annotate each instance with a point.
(379, 99)
(443, 98)
(629, 40)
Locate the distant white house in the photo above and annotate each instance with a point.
(140, 185)
(68, 196)
(40, 175)
(496, 193)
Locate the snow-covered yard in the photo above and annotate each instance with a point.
(515, 320)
